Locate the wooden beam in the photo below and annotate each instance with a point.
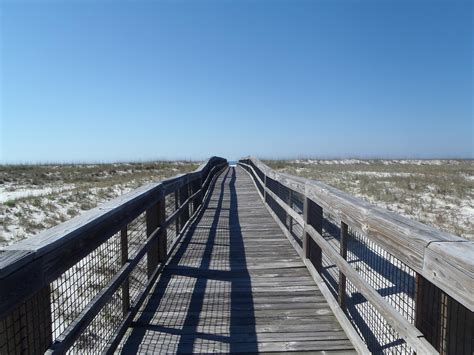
(342, 278)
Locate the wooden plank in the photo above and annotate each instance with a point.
(341, 294)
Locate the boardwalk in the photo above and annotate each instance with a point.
(235, 284)
(199, 263)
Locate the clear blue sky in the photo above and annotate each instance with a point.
(128, 80)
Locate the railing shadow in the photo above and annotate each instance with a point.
(212, 303)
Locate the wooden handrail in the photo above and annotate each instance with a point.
(30, 266)
(443, 259)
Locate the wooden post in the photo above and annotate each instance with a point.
(342, 277)
(152, 223)
(124, 259)
(313, 216)
(306, 236)
(434, 316)
(265, 188)
(27, 329)
(162, 238)
(290, 204)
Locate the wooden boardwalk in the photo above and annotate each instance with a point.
(235, 284)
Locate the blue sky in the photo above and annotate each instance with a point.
(139, 80)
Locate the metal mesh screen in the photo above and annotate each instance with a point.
(380, 337)
(76, 287)
(393, 280)
(97, 334)
(136, 237)
(172, 204)
(27, 328)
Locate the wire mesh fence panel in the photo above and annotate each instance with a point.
(78, 285)
(331, 229)
(137, 236)
(277, 209)
(27, 329)
(97, 334)
(330, 275)
(296, 202)
(379, 336)
(171, 205)
(392, 279)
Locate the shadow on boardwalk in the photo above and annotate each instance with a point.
(203, 300)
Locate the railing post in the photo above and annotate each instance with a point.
(265, 188)
(313, 215)
(342, 277)
(152, 223)
(444, 322)
(290, 204)
(432, 309)
(124, 259)
(306, 236)
(28, 327)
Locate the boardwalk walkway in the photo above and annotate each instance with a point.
(235, 284)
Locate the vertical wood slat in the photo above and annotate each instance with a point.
(124, 259)
(342, 278)
(28, 328)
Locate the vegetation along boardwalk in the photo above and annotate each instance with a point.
(235, 284)
(238, 259)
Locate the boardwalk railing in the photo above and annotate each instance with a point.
(405, 287)
(77, 286)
